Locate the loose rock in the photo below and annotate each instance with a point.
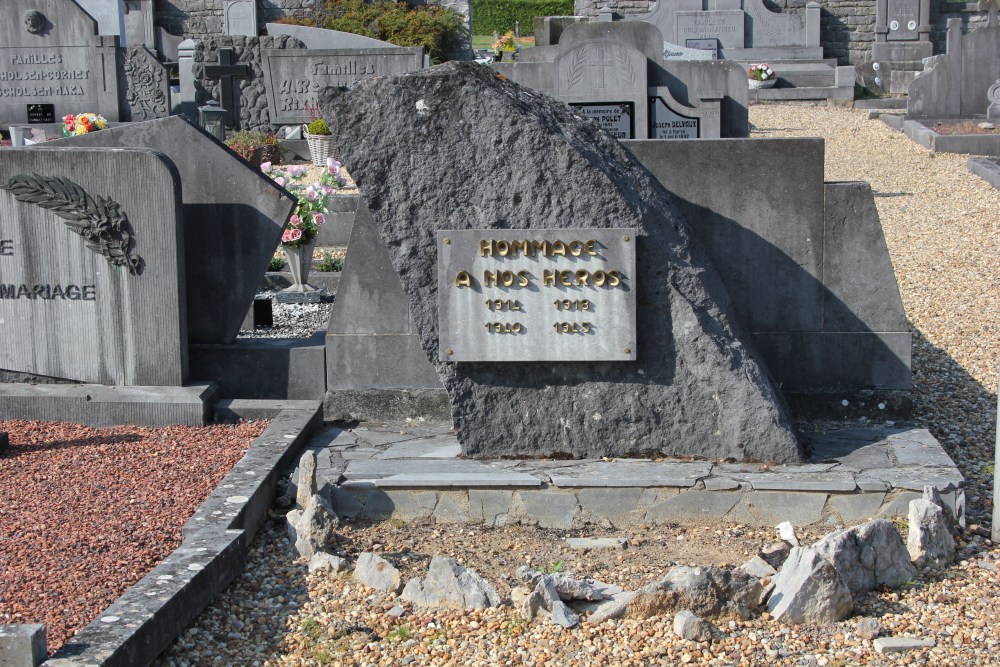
(809, 590)
(867, 628)
(376, 572)
(758, 567)
(868, 556)
(448, 584)
(901, 644)
(312, 529)
(776, 554)
(706, 591)
(690, 627)
(929, 541)
(324, 562)
(567, 587)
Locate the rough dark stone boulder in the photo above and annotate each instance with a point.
(459, 147)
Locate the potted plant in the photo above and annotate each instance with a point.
(299, 236)
(318, 137)
(502, 45)
(761, 76)
(255, 147)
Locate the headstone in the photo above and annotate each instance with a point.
(50, 54)
(93, 307)
(240, 17)
(725, 27)
(294, 78)
(320, 38)
(615, 74)
(956, 83)
(109, 14)
(147, 94)
(453, 114)
(711, 45)
(233, 219)
(139, 24)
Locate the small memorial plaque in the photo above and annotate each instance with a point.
(665, 123)
(617, 118)
(710, 45)
(536, 295)
(41, 113)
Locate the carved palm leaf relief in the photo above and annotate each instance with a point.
(100, 221)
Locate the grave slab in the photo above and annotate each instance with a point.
(627, 474)
(233, 219)
(457, 479)
(98, 405)
(108, 309)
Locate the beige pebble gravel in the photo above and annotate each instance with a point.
(941, 226)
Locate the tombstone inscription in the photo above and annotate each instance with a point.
(41, 113)
(668, 124)
(616, 118)
(294, 78)
(537, 295)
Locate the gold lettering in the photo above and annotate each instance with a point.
(485, 247)
(566, 278)
(614, 278)
(540, 248)
(599, 278)
(519, 245)
(558, 248)
(575, 248)
(507, 278)
(523, 278)
(463, 279)
(589, 247)
(582, 277)
(503, 248)
(549, 278)
(489, 278)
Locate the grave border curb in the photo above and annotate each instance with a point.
(152, 613)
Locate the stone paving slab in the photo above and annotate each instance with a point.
(435, 447)
(491, 479)
(630, 474)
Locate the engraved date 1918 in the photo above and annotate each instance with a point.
(573, 327)
(572, 304)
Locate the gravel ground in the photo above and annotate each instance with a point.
(941, 225)
(85, 512)
(293, 320)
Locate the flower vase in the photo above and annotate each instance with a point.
(299, 264)
(757, 85)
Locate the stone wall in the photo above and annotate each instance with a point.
(847, 27)
(253, 109)
(203, 18)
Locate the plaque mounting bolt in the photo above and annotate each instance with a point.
(450, 351)
(447, 241)
(626, 238)
(628, 350)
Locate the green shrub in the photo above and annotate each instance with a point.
(318, 126)
(499, 16)
(277, 262)
(329, 261)
(244, 143)
(435, 28)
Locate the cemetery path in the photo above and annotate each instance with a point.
(941, 225)
(87, 512)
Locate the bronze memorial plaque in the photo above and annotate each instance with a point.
(536, 294)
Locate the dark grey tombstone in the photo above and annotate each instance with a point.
(695, 387)
(84, 309)
(146, 85)
(294, 78)
(233, 218)
(50, 54)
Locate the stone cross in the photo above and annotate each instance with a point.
(600, 63)
(227, 72)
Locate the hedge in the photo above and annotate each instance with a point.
(499, 16)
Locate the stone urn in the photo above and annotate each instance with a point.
(757, 85)
(299, 263)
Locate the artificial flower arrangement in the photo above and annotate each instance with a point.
(760, 72)
(505, 43)
(83, 123)
(310, 212)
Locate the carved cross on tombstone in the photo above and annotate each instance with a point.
(227, 72)
(600, 62)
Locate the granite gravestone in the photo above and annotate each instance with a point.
(233, 219)
(91, 266)
(294, 78)
(320, 38)
(50, 54)
(240, 17)
(695, 386)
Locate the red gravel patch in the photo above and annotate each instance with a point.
(87, 512)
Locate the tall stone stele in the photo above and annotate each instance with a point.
(457, 147)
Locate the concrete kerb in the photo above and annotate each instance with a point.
(921, 131)
(140, 624)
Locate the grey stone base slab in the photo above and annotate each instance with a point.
(898, 103)
(279, 280)
(887, 404)
(291, 296)
(99, 405)
(803, 93)
(234, 409)
(406, 471)
(986, 169)
(379, 404)
(140, 624)
(264, 368)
